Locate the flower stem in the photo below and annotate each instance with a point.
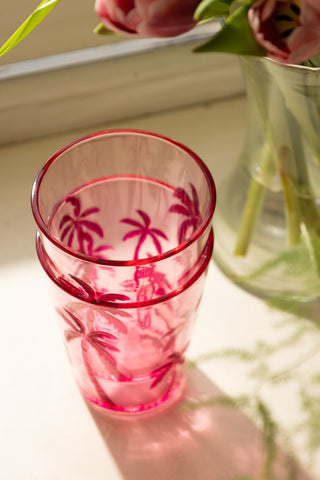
(291, 199)
(302, 212)
(275, 120)
(254, 201)
(251, 212)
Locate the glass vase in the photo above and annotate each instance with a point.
(267, 226)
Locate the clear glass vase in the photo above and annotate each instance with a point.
(267, 226)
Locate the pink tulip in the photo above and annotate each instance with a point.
(288, 30)
(147, 18)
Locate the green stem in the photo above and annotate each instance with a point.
(283, 151)
(291, 199)
(253, 204)
(259, 185)
(302, 211)
(251, 212)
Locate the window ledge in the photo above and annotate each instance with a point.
(112, 82)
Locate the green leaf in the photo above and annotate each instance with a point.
(235, 37)
(102, 30)
(212, 8)
(28, 25)
(313, 62)
(269, 430)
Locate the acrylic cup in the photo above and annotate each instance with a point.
(124, 233)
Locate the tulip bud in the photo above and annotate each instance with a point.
(147, 18)
(288, 29)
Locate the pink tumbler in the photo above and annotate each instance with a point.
(124, 234)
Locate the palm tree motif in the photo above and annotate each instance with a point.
(188, 208)
(169, 339)
(173, 359)
(166, 344)
(100, 341)
(77, 224)
(157, 281)
(82, 290)
(142, 230)
(99, 317)
(156, 284)
(147, 283)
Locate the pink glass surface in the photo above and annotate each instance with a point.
(131, 359)
(124, 234)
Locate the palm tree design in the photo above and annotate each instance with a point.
(102, 342)
(173, 359)
(157, 281)
(167, 345)
(142, 230)
(188, 208)
(156, 284)
(169, 339)
(84, 291)
(76, 224)
(101, 317)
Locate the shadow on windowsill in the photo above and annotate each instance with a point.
(193, 440)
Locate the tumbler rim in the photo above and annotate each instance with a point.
(124, 305)
(122, 263)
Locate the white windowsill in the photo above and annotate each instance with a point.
(109, 83)
(42, 414)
